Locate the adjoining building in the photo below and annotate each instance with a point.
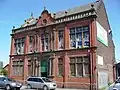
(6, 67)
(73, 47)
(1, 64)
(117, 66)
(1, 67)
(5, 70)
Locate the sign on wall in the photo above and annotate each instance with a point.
(102, 34)
(100, 60)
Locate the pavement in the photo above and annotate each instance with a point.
(25, 88)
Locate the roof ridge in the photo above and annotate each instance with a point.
(78, 9)
(83, 5)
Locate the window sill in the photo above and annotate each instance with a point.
(75, 76)
(51, 76)
(79, 76)
(19, 54)
(59, 76)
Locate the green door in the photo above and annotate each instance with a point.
(44, 68)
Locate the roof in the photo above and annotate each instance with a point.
(78, 9)
(32, 21)
(6, 65)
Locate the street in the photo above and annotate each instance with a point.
(24, 88)
(56, 89)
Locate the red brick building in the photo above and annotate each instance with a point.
(74, 47)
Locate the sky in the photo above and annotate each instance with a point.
(14, 12)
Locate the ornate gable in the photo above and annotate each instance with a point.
(45, 18)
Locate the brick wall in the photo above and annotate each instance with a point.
(106, 52)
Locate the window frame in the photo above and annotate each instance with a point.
(79, 31)
(31, 46)
(83, 66)
(18, 68)
(19, 45)
(59, 65)
(45, 37)
(62, 40)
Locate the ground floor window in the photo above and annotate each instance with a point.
(29, 68)
(60, 66)
(18, 68)
(41, 67)
(33, 67)
(79, 66)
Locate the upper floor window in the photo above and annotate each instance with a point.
(61, 41)
(31, 42)
(79, 37)
(44, 40)
(19, 45)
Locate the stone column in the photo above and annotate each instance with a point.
(50, 67)
(33, 67)
(93, 34)
(56, 40)
(39, 67)
(12, 46)
(25, 68)
(26, 46)
(93, 44)
(93, 70)
(66, 66)
(39, 43)
(10, 58)
(66, 39)
(25, 58)
(10, 72)
(53, 62)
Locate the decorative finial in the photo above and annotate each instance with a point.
(98, 0)
(65, 12)
(13, 27)
(32, 14)
(92, 5)
(44, 8)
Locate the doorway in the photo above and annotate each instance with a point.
(44, 68)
